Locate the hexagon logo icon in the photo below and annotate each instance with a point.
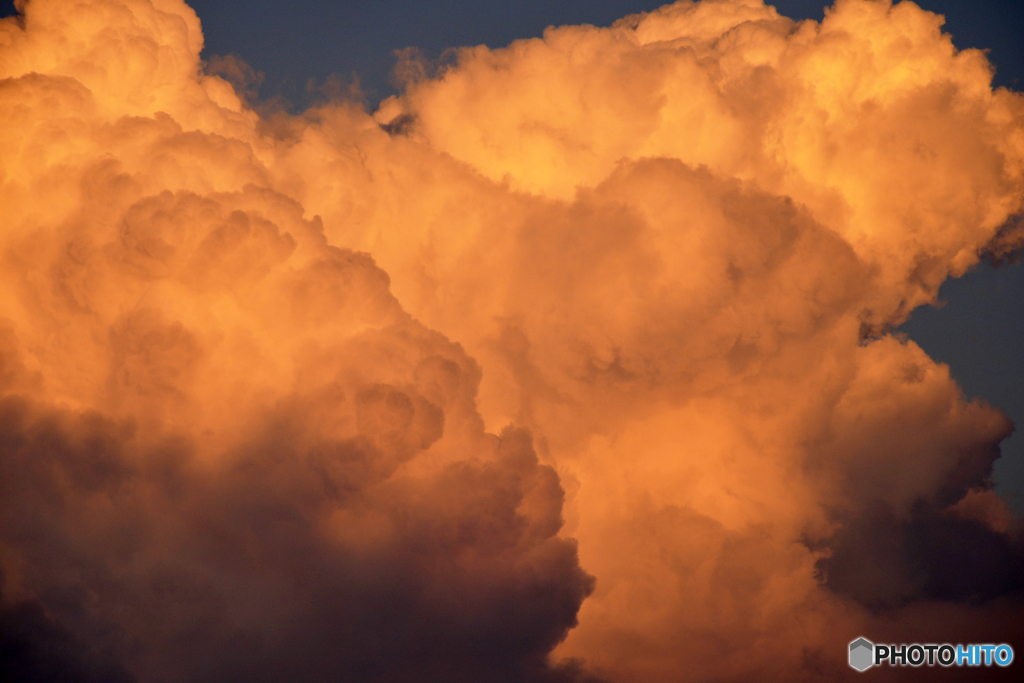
(861, 654)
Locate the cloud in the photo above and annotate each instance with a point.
(228, 452)
(36, 649)
(298, 395)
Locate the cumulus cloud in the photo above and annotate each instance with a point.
(228, 452)
(293, 396)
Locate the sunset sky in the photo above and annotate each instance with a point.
(474, 341)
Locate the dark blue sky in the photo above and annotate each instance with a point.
(980, 330)
(291, 42)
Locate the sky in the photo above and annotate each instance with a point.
(424, 342)
(295, 42)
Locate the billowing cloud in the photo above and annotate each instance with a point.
(228, 452)
(309, 396)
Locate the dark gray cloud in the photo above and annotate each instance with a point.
(188, 576)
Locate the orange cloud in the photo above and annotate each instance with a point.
(289, 397)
